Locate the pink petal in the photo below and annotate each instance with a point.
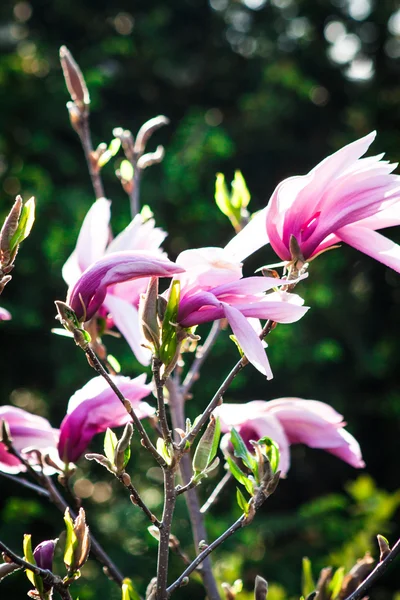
(206, 268)
(91, 288)
(139, 235)
(94, 408)
(4, 314)
(126, 318)
(251, 238)
(28, 431)
(373, 244)
(248, 340)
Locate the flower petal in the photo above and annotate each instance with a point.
(373, 244)
(248, 340)
(126, 318)
(252, 237)
(95, 407)
(91, 288)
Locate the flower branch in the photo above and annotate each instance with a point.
(48, 578)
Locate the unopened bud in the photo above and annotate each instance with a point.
(260, 588)
(77, 544)
(121, 456)
(148, 318)
(74, 79)
(383, 547)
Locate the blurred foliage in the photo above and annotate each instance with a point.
(269, 87)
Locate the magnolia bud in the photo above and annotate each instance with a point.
(260, 588)
(146, 131)
(74, 79)
(77, 544)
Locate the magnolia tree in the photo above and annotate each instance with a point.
(113, 283)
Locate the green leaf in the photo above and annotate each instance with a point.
(71, 541)
(126, 170)
(335, 585)
(128, 590)
(111, 151)
(240, 197)
(163, 451)
(207, 446)
(241, 451)
(308, 584)
(114, 363)
(271, 452)
(127, 455)
(28, 556)
(110, 442)
(169, 342)
(239, 475)
(222, 198)
(25, 223)
(241, 500)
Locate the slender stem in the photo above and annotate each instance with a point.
(135, 193)
(136, 498)
(25, 483)
(221, 391)
(196, 519)
(214, 495)
(203, 555)
(376, 574)
(86, 141)
(165, 531)
(47, 576)
(162, 415)
(201, 355)
(96, 364)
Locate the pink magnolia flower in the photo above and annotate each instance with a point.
(212, 288)
(121, 297)
(27, 432)
(4, 314)
(345, 198)
(95, 407)
(292, 421)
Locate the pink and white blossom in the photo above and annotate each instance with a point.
(292, 421)
(212, 288)
(121, 300)
(28, 432)
(4, 314)
(95, 407)
(345, 198)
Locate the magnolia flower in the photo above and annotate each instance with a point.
(343, 199)
(292, 421)
(212, 288)
(95, 407)
(4, 314)
(122, 298)
(28, 432)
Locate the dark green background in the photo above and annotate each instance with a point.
(249, 89)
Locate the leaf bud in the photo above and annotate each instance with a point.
(148, 317)
(260, 588)
(147, 130)
(77, 544)
(74, 79)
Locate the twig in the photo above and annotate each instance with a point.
(220, 392)
(176, 402)
(201, 355)
(125, 479)
(96, 364)
(24, 482)
(200, 558)
(214, 495)
(86, 140)
(165, 531)
(162, 415)
(375, 574)
(53, 581)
